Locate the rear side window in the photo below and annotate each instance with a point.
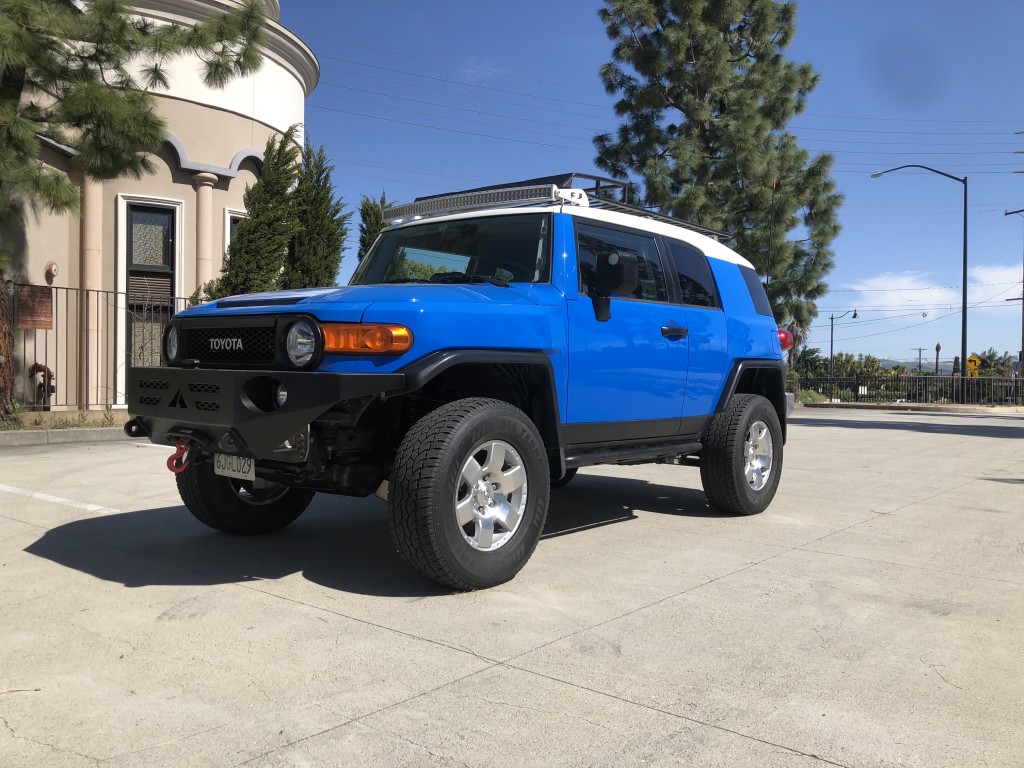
(592, 241)
(756, 291)
(696, 285)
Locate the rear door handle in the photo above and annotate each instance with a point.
(674, 332)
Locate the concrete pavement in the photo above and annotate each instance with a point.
(872, 616)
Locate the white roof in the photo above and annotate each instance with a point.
(711, 248)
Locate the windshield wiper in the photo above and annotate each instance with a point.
(460, 277)
(405, 280)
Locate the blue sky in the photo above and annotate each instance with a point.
(420, 98)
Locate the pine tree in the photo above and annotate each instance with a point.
(371, 215)
(316, 252)
(256, 255)
(705, 95)
(64, 75)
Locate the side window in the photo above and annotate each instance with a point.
(696, 285)
(757, 293)
(593, 241)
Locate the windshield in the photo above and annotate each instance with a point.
(494, 249)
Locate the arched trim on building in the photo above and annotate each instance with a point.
(225, 173)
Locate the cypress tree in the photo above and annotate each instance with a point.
(317, 250)
(257, 252)
(371, 216)
(705, 94)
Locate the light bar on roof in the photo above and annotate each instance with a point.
(466, 201)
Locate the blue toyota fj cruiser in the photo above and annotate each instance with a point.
(489, 344)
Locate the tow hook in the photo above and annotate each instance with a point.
(177, 462)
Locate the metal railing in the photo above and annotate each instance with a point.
(887, 388)
(72, 347)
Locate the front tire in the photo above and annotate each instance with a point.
(237, 506)
(468, 493)
(741, 462)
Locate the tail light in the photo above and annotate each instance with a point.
(786, 339)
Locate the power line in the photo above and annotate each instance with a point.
(421, 87)
(925, 288)
(462, 109)
(450, 130)
(464, 85)
(451, 63)
(1017, 121)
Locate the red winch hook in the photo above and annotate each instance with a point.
(177, 462)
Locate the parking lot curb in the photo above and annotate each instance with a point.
(22, 437)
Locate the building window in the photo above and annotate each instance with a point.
(231, 219)
(150, 251)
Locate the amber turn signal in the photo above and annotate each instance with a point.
(366, 339)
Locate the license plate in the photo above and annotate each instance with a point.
(240, 467)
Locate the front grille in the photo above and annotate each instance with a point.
(232, 346)
(152, 384)
(149, 400)
(203, 405)
(205, 389)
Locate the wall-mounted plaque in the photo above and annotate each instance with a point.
(34, 307)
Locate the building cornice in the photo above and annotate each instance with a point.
(280, 43)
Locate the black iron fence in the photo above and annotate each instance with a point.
(71, 347)
(983, 390)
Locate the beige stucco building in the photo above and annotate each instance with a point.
(141, 246)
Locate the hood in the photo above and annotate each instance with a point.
(348, 304)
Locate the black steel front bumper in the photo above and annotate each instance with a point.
(235, 411)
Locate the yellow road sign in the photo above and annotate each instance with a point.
(972, 373)
(972, 363)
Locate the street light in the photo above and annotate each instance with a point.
(831, 338)
(963, 309)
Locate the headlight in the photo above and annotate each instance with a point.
(171, 344)
(301, 343)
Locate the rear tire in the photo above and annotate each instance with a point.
(468, 493)
(741, 462)
(237, 506)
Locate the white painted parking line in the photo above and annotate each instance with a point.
(59, 500)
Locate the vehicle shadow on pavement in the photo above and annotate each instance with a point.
(592, 501)
(343, 544)
(952, 424)
(347, 550)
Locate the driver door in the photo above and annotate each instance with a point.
(627, 376)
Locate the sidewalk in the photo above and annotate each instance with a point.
(977, 410)
(21, 437)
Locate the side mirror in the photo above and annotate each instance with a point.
(616, 272)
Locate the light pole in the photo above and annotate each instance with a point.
(832, 337)
(963, 308)
(938, 348)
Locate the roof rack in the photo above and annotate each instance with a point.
(474, 199)
(546, 189)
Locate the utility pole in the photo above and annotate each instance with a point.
(920, 363)
(1020, 357)
(938, 348)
